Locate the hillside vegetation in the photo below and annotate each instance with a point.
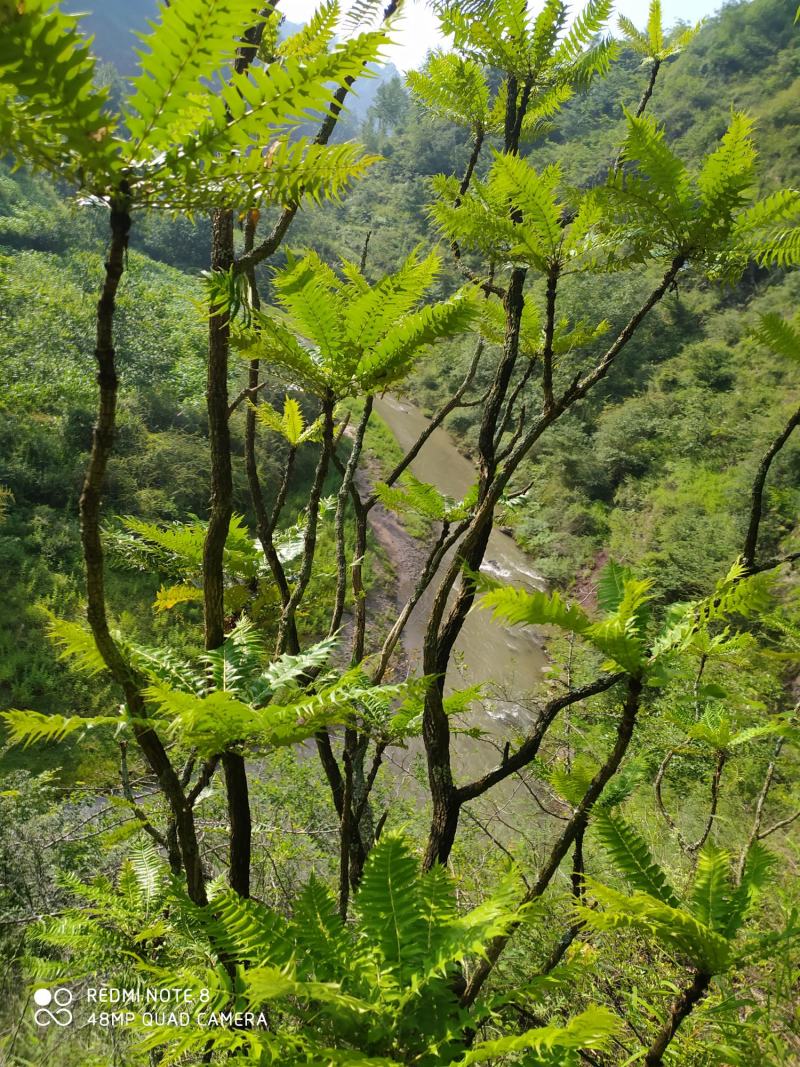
(231, 766)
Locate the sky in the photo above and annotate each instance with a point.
(418, 30)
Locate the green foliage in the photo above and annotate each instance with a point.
(423, 499)
(534, 50)
(657, 462)
(177, 549)
(371, 992)
(619, 635)
(52, 114)
(35, 727)
(291, 425)
(781, 336)
(653, 44)
(631, 857)
(185, 147)
(713, 220)
(187, 49)
(342, 335)
(704, 927)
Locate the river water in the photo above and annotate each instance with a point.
(508, 661)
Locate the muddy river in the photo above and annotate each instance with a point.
(509, 661)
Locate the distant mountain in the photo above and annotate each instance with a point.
(114, 23)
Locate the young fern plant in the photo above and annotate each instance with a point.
(231, 699)
(537, 57)
(338, 335)
(174, 144)
(377, 991)
(655, 45)
(702, 928)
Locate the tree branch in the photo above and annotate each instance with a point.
(567, 837)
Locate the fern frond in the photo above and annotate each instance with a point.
(150, 871)
(655, 32)
(632, 857)
(452, 87)
(547, 1046)
(728, 173)
(315, 36)
(361, 13)
(53, 116)
(230, 667)
(781, 249)
(780, 206)
(246, 930)
(324, 949)
(33, 727)
(589, 22)
(414, 496)
(535, 196)
(645, 145)
(164, 665)
(780, 335)
(738, 594)
(390, 907)
(169, 597)
(288, 669)
(758, 873)
(345, 335)
(519, 607)
(634, 37)
(393, 356)
(675, 928)
(76, 646)
(611, 585)
(185, 50)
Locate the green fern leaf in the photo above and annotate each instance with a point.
(632, 857)
(192, 41)
(710, 901)
(452, 87)
(676, 929)
(520, 607)
(611, 585)
(553, 1045)
(52, 114)
(758, 873)
(34, 727)
(390, 906)
(76, 646)
(326, 951)
(780, 335)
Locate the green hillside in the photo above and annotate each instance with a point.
(499, 770)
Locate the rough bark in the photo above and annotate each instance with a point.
(102, 445)
(236, 787)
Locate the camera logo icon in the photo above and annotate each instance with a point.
(60, 1015)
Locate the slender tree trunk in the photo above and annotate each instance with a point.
(757, 491)
(648, 92)
(236, 786)
(102, 445)
(439, 644)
